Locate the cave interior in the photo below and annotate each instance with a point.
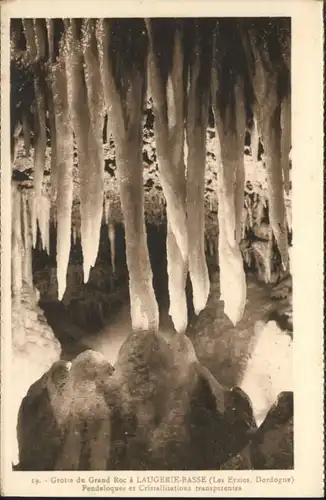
(151, 198)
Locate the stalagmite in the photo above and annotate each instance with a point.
(169, 136)
(197, 120)
(124, 92)
(16, 242)
(89, 147)
(144, 309)
(62, 176)
(34, 48)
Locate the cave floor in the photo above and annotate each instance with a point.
(219, 346)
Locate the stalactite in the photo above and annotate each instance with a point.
(16, 242)
(24, 223)
(254, 140)
(177, 275)
(268, 112)
(32, 208)
(211, 247)
(277, 216)
(108, 129)
(106, 210)
(33, 43)
(144, 309)
(231, 132)
(239, 197)
(263, 257)
(26, 134)
(244, 224)
(170, 140)
(50, 36)
(207, 246)
(50, 99)
(14, 143)
(62, 177)
(124, 92)
(197, 120)
(286, 140)
(44, 222)
(111, 232)
(55, 222)
(27, 247)
(53, 134)
(259, 212)
(232, 278)
(89, 148)
(169, 136)
(40, 37)
(288, 210)
(28, 25)
(93, 82)
(74, 235)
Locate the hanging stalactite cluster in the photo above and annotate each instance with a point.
(24, 236)
(84, 70)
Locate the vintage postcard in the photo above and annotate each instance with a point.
(162, 248)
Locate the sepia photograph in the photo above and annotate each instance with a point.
(151, 249)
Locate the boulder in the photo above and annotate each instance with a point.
(158, 408)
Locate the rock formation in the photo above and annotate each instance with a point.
(116, 65)
(120, 127)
